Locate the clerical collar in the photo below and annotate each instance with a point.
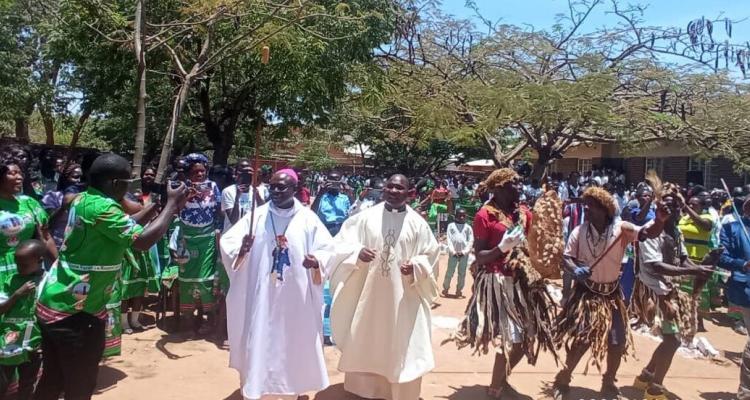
(285, 212)
(395, 210)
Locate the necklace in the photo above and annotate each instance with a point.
(280, 253)
(503, 217)
(597, 244)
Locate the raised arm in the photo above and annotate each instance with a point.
(176, 199)
(704, 223)
(654, 229)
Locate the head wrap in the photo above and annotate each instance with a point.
(290, 172)
(602, 197)
(643, 187)
(71, 168)
(196, 158)
(498, 178)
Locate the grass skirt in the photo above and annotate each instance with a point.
(587, 318)
(659, 312)
(500, 307)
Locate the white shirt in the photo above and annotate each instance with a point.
(716, 226)
(651, 251)
(453, 190)
(460, 238)
(361, 205)
(246, 201)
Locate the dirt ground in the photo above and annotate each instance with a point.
(159, 365)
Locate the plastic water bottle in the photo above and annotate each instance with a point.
(244, 202)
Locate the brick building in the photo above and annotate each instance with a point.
(673, 162)
(286, 153)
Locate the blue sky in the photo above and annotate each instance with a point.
(541, 13)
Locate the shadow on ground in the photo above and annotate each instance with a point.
(721, 319)
(734, 357)
(108, 378)
(172, 338)
(718, 396)
(335, 392)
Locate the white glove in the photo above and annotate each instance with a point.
(511, 239)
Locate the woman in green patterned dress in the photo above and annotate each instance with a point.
(21, 217)
(137, 270)
(197, 228)
(138, 267)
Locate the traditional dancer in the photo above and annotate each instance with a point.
(657, 299)
(276, 296)
(383, 287)
(595, 316)
(510, 308)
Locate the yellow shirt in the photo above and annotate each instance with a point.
(697, 240)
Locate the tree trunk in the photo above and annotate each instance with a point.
(140, 126)
(223, 147)
(49, 128)
(22, 129)
(77, 135)
(166, 148)
(502, 158)
(180, 101)
(45, 105)
(542, 163)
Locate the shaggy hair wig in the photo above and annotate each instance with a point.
(498, 178)
(602, 197)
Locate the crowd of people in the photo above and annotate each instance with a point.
(275, 265)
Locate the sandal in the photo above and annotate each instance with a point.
(661, 395)
(643, 380)
(559, 391)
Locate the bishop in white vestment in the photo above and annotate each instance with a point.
(275, 300)
(383, 288)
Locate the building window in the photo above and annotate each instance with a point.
(657, 164)
(696, 164)
(584, 165)
(701, 166)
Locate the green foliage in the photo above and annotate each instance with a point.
(315, 157)
(406, 127)
(314, 46)
(549, 90)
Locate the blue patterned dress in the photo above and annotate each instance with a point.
(195, 236)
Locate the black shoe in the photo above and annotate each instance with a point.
(610, 391)
(560, 391)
